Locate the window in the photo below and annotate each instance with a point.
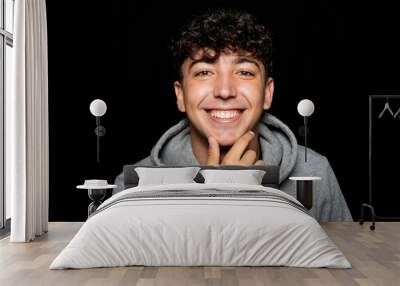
(6, 61)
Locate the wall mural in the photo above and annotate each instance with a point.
(165, 108)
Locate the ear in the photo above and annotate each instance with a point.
(269, 93)
(180, 100)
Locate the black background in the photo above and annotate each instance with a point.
(327, 51)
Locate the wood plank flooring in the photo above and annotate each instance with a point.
(374, 255)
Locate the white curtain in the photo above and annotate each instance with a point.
(27, 144)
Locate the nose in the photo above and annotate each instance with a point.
(224, 86)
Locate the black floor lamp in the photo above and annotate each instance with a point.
(305, 109)
(98, 108)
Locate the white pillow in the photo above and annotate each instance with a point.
(249, 177)
(162, 176)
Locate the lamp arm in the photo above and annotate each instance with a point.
(98, 138)
(305, 137)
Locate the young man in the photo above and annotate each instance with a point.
(224, 87)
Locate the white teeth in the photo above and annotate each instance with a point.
(224, 114)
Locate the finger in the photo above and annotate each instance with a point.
(213, 152)
(260, 163)
(253, 143)
(236, 151)
(248, 158)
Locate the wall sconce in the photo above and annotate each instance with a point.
(98, 108)
(305, 108)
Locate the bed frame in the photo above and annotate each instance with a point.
(270, 179)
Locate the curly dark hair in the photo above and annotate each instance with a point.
(222, 29)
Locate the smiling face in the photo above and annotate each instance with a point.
(223, 98)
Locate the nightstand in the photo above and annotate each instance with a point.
(96, 191)
(304, 190)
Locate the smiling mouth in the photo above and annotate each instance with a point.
(224, 115)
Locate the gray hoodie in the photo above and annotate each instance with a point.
(278, 147)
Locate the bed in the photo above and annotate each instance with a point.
(201, 224)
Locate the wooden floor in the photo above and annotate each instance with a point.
(374, 255)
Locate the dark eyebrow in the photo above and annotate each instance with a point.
(246, 60)
(202, 60)
(236, 61)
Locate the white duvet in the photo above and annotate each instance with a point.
(183, 231)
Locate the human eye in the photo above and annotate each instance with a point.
(246, 73)
(202, 73)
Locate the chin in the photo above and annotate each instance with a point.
(226, 136)
(226, 140)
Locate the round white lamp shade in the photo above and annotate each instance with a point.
(98, 107)
(305, 107)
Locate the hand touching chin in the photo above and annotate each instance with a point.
(243, 152)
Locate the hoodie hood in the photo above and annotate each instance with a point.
(277, 142)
